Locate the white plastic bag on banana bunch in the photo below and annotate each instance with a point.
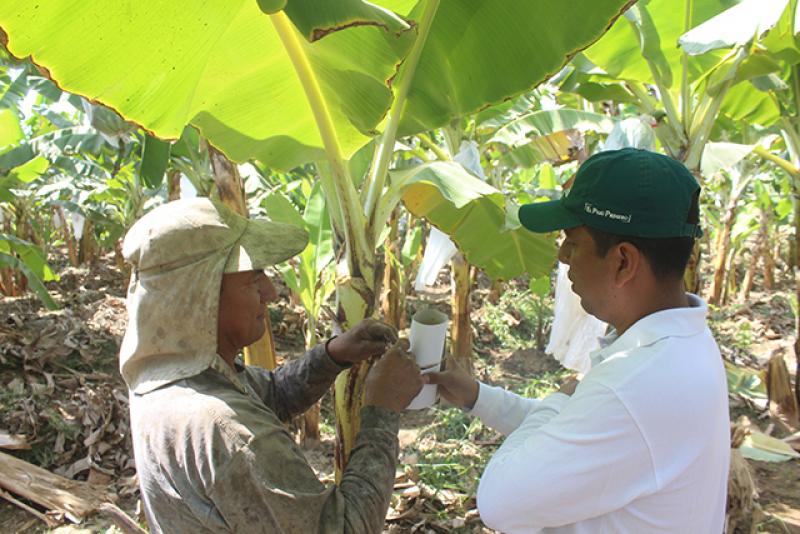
(634, 132)
(575, 333)
(438, 252)
(440, 249)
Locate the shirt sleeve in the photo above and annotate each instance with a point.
(586, 461)
(504, 411)
(295, 386)
(268, 486)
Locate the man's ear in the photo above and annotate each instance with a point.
(629, 263)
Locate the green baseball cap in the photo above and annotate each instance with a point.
(628, 192)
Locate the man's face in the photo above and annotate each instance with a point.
(592, 276)
(242, 304)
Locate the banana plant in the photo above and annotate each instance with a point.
(18, 254)
(683, 72)
(728, 160)
(293, 84)
(311, 275)
(776, 104)
(679, 70)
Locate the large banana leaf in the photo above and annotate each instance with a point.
(10, 131)
(520, 131)
(782, 41)
(548, 135)
(735, 26)
(746, 103)
(476, 217)
(659, 24)
(224, 69)
(221, 67)
(484, 51)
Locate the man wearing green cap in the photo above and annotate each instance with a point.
(212, 453)
(642, 444)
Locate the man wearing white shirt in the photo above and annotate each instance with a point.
(642, 444)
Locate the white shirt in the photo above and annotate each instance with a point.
(642, 446)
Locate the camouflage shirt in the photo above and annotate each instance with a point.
(212, 454)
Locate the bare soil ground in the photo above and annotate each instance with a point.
(59, 387)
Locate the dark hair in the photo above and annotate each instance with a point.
(667, 257)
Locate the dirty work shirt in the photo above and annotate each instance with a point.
(642, 446)
(213, 456)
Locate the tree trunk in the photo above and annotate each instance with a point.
(354, 243)
(173, 184)
(723, 264)
(461, 328)
(796, 262)
(123, 266)
(766, 252)
(87, 253)
(691, 277)
(356, 301)
(747, 283)
(72, 251)
(495, 291)
(229, 184)
(6, 281)
(783, 405)
(231, 192)
(413, 267)
(730, 278)
(391, 297)
(721, 254)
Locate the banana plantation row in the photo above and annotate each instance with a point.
(370, 127)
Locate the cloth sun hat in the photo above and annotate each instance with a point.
(179, 252)
(628, 192)
(184, 231)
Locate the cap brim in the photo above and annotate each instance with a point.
(543, 217)
(265, 243)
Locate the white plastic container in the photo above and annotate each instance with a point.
(427, 336)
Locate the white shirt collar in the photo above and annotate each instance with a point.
(673, 322)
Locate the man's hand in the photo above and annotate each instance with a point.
(394, 380)
(456, 386)
(569, 385)
(369, 338)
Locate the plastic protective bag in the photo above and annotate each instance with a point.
(575, 333)
(438, 252)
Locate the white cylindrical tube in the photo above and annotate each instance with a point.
(427, 336)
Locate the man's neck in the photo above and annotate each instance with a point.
(228, 354)
(672, 296)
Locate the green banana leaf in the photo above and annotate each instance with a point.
(520, 131)
(476, 217)
(735, 26)
(224, 69)
(310, 274)
(10, 131)
(744, 102)
(28, 259)
(155, 158)
(481, 52)
(782, 41)
(547, 135)
(650, 31)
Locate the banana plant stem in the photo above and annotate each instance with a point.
(383, 152)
